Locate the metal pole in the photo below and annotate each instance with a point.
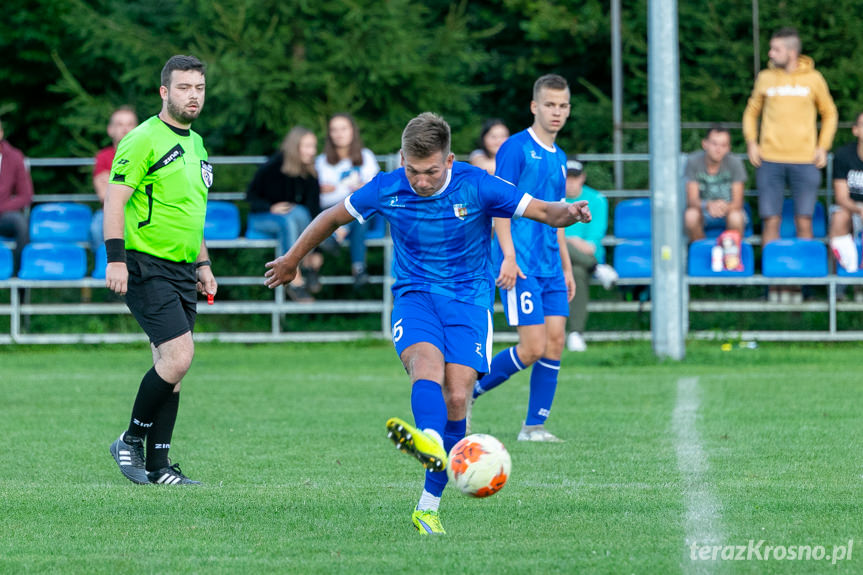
(756, 45)
(667, 313)
(617, 91)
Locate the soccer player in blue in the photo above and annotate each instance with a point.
(440, 214)
(535, 273)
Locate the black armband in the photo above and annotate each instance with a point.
(202, 264)
(116, 250)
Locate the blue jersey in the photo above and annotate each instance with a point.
(541, 172)
(441, 243)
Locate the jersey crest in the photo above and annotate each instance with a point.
(207, 173)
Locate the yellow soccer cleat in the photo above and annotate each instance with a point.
(421, 445)
(427, 522)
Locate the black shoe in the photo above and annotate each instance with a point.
(298, 293)
(170, 476)
(129, 456)
(313, 283)
(361, 278)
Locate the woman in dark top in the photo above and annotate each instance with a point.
(284, 197)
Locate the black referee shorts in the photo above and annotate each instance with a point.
(161, 295)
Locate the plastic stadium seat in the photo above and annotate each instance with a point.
(632, 219)
(101, 262)
(60, 222)
(700, 260)
(53, 262)
(794, 258)
(5, 262)
(713, 232)
(632, 259)
(223, 221)
(787, 229)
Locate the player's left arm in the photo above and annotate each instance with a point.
(567, 264)
(203, 269)
(557, 214)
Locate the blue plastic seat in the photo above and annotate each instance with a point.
(787, 228)
(60, 261)
(101, 262)
(632, 219)
(222, 222)
(794, 258)
(632, 259)
(5, 262)
(60, 222)
(714, 231)
(700, 260)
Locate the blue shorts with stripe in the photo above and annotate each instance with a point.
(461, 331)
(533, 299)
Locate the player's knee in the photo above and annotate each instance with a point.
(530, 351)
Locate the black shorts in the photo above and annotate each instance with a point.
(161, 295)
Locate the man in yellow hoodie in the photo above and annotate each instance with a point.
(788, 96)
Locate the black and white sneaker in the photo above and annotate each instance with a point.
(130, 458)
(170, 476)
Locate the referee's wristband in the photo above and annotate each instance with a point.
(116, 250)
(202, 264)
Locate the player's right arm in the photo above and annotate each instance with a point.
(284, 268)
(113, 226)
(509, 269)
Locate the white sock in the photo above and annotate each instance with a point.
(428, 502)
(434, 435)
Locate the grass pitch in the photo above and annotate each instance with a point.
(299, 476)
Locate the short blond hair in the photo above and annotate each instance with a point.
(424, 135)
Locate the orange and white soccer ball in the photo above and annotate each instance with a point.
(479, 465)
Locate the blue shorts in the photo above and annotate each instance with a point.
(801, 179)
(461, 331)
(533, 299)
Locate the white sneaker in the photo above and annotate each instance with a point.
(606, 275)
(537, 433)
(574, 342)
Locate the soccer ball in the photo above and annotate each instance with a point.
(479, 465)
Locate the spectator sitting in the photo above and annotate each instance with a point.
(846, 215)
(494, 133)
(586, 252)
(16, 194)
(122, 121)
(344, 167)
(284, 197)
(714, 187)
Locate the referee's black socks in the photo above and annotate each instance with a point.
(159, 438)
(153, 392)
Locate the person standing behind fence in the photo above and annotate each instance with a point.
(344, 167)
(122, 121)
(154, 235)
(494, 133)
(714, 187)
(586, 252)
(284, 197)
(16, 194)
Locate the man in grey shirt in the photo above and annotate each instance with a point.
(714, 187)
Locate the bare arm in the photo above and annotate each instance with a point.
(284, 268)
(113, 228)
(567, 264)
(842, 196)
(100, 184)
(736, 196)
(693, 195)
(557, 214)
(206, 280)
(509, 269)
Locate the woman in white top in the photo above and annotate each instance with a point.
(494, 133)
(344, 167)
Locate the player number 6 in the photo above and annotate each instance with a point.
(526, 303)
(398, 331)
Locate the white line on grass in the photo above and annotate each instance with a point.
(703, 510)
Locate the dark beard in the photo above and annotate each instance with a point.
(179, 115)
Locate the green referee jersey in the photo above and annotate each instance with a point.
(168, 170)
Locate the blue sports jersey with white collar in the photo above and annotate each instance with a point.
(539, 171)
(441, 243)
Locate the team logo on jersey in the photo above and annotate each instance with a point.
(460, 210)
(534, 155)
(207, 173)
(395, 203)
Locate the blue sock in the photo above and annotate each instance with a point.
(543, 383)
(428, 405)
(503, 366)
(452, 433)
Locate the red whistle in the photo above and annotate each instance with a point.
(210, 299)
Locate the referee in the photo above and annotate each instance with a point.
(154, 235)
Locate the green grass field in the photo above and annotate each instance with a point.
(724, 447)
